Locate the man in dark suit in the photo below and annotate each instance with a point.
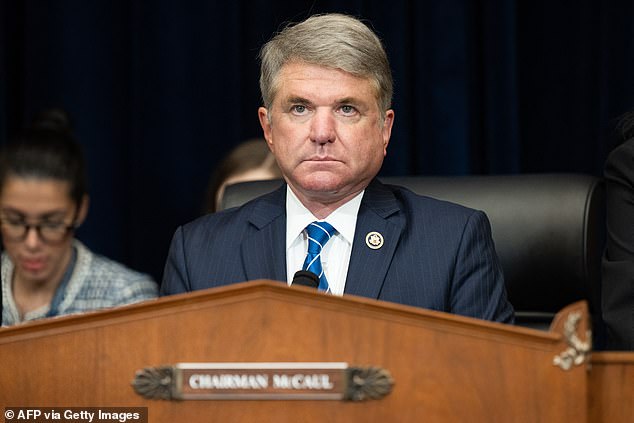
(327, 88)
(617, 285)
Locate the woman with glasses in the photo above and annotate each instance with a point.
(43, 199)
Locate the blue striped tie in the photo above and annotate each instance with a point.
(318, 235)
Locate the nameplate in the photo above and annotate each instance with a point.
(262, 381)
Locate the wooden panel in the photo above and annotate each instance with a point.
(446, 368)
(611, 387)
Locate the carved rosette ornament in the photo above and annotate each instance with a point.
(367, 383)
(578, 350)
(154, 382)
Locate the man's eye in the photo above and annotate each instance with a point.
(348, 110)
(298, 109)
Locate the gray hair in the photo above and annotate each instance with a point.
(335, 41)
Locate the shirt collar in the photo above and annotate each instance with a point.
(343, 219)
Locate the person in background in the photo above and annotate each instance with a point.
(45, 271)
(617, 292)
(249, 161)
(326, 85)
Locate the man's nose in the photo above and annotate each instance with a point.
(322, 128)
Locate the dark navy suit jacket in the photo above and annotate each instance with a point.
(436, 255)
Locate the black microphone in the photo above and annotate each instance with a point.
(305, 278)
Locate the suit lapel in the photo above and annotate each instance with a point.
(368, 266)
(264, 248)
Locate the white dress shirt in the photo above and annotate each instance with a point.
(335, 257)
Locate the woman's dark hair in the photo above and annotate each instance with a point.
(46, 150)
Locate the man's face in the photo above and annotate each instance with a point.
(324, 128)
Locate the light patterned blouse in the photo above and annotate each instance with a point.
(96, 282)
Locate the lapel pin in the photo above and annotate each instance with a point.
(374, 240)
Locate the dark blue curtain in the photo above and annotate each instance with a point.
(160, 90)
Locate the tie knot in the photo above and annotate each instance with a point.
(318, 235)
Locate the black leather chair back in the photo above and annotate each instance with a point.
(548, 231)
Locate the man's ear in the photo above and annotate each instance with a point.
(387, 129)
(265, 123)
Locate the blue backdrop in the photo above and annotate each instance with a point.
(161, 90)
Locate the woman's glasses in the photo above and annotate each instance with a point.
(50, 232)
